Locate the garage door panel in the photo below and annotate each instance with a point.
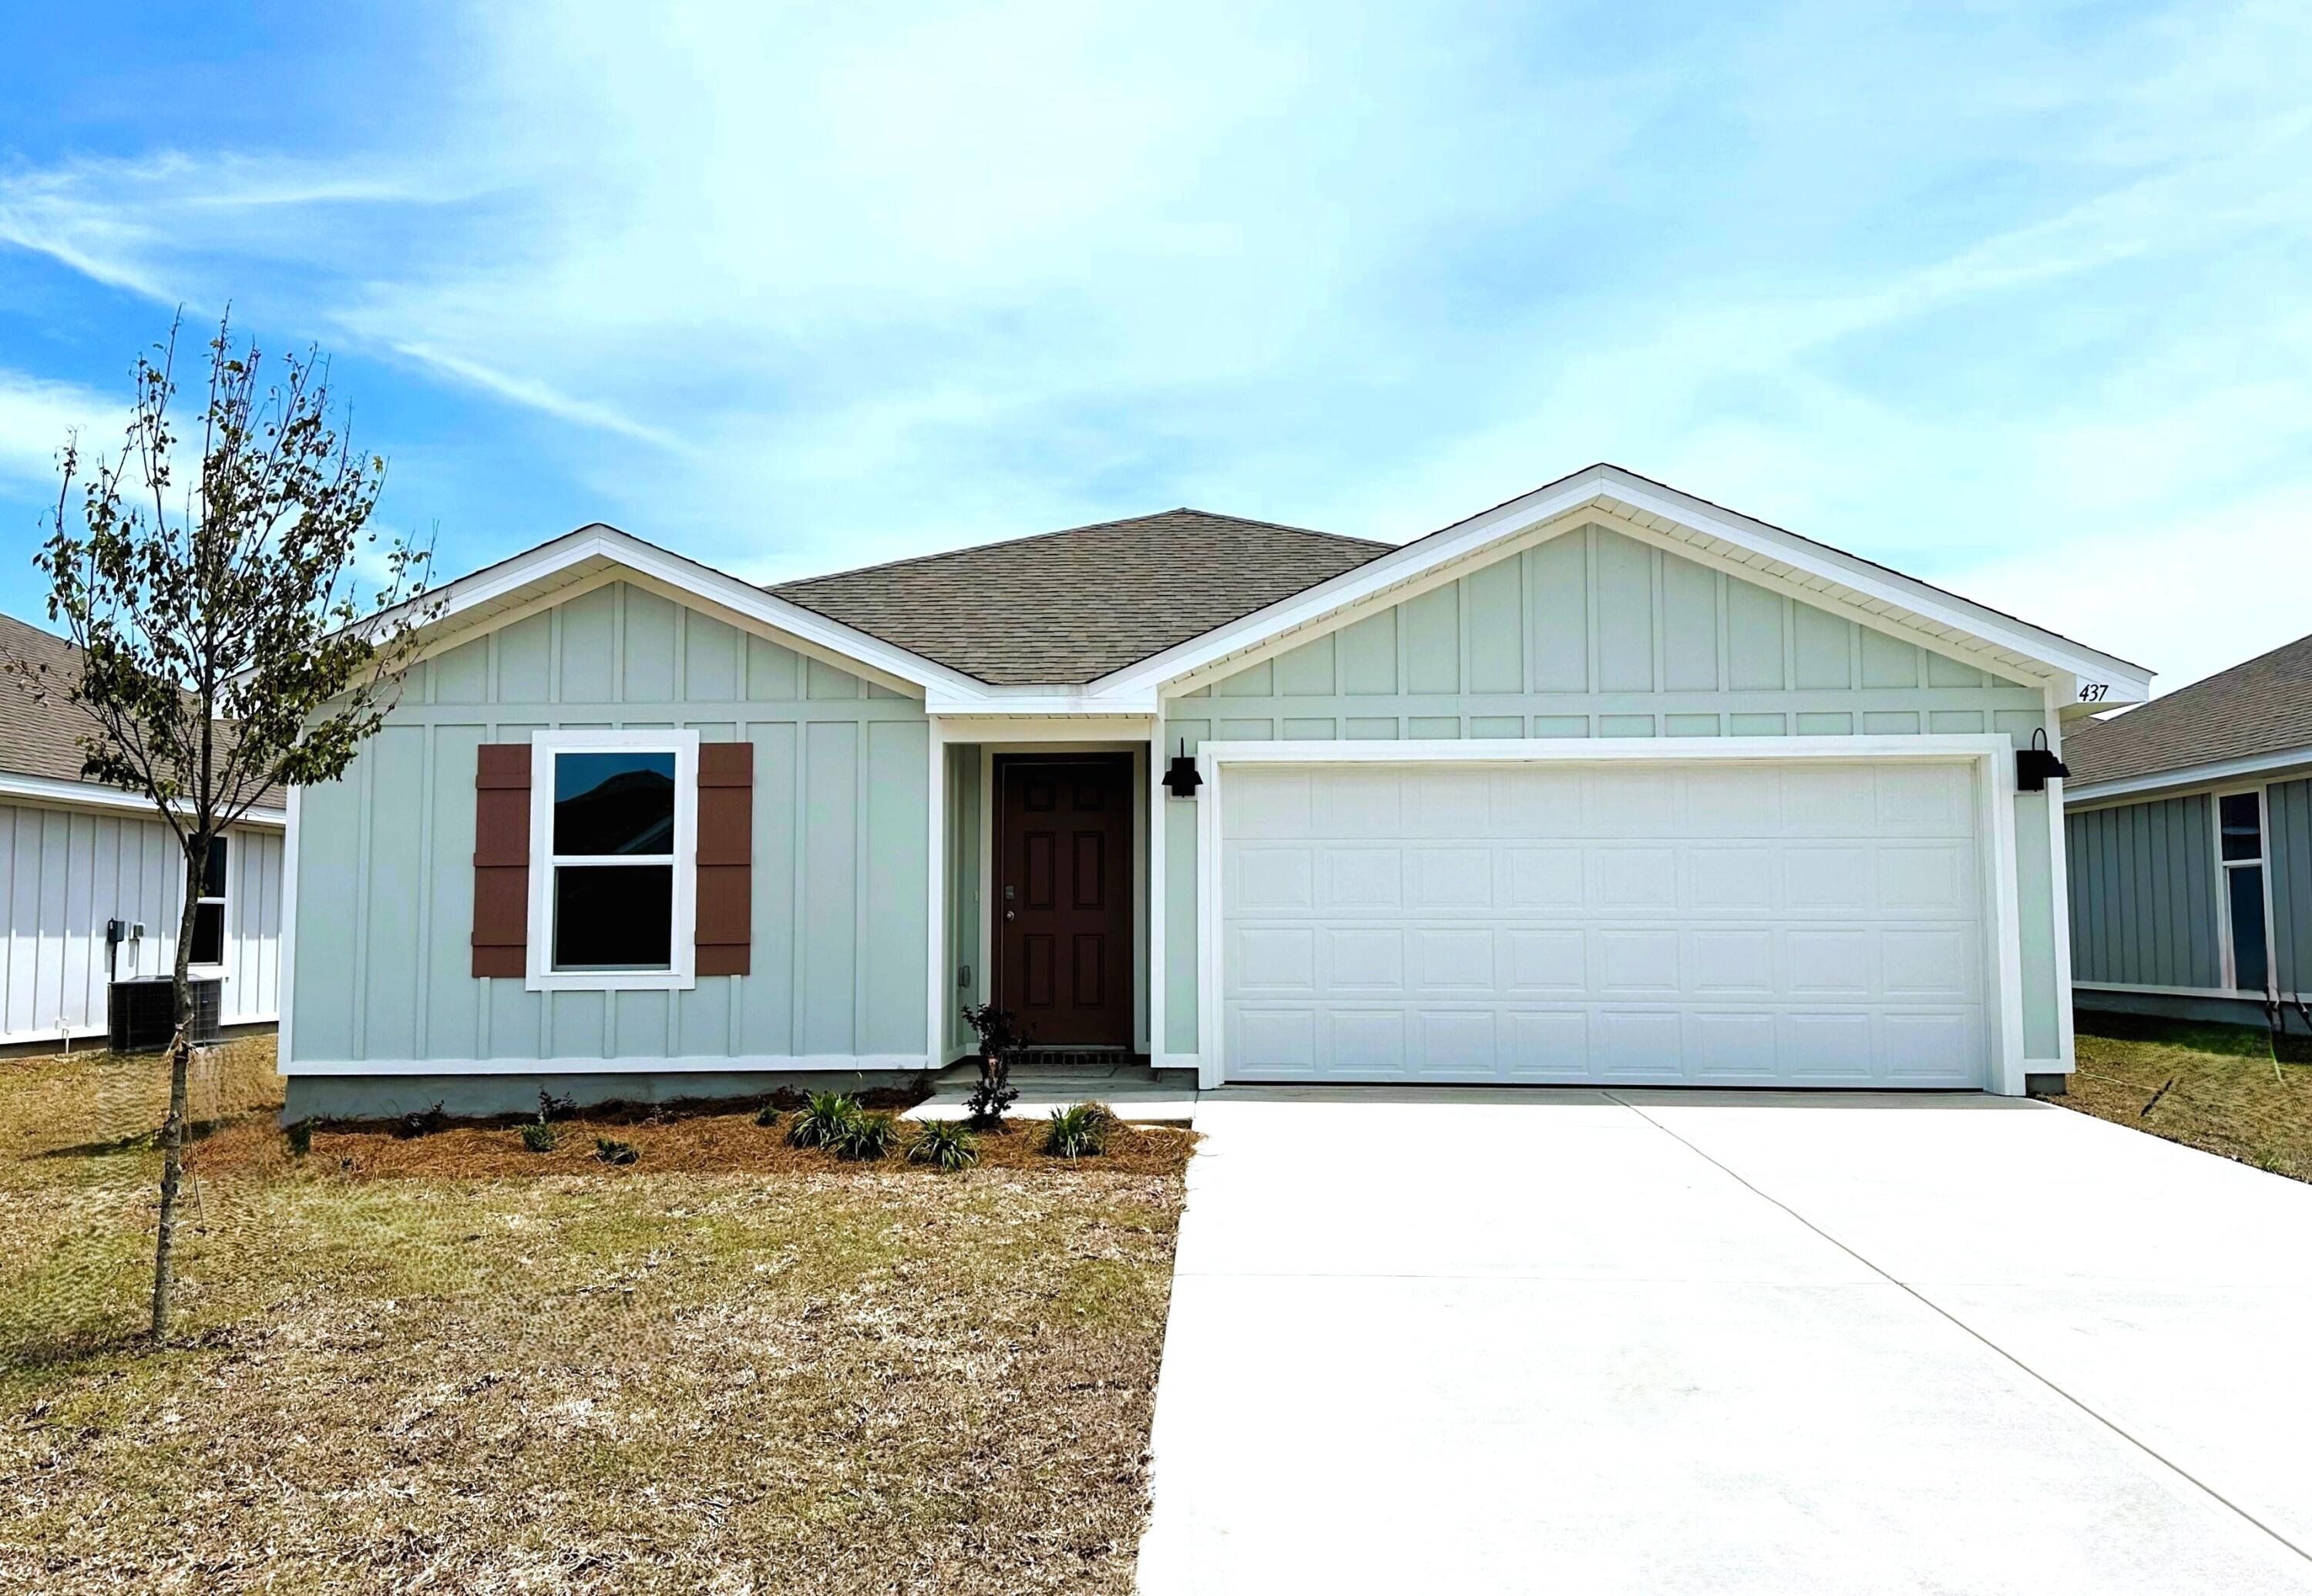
(1724, 962)
(1455, 1044)
(1364, 960)
(1547, 962)
(1634, 963)
(1450, 878)
(1732, 1045)
(1622, 879)
(1757, 923)
(1363, 878)
(1267, 876)
(1451, 960)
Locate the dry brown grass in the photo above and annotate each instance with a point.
(2223, 1091)
(446, 1364)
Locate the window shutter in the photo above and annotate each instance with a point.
(502, 859)
(726, 857)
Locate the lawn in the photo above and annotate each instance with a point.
(2215, 1087)
(448, 1363)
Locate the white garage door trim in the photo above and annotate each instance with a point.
(1995, 803)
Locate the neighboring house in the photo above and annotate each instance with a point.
(1605, 785)
(75, 856)
(2190, 825)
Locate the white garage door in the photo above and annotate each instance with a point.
(1811, 923)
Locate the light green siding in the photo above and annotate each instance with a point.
(1595, 635)
(385, 882)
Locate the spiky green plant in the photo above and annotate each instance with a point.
(946, 1142)
(867, 1137)
(1081, 1131)
(825, 1118)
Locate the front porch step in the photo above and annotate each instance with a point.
(1051, 1079)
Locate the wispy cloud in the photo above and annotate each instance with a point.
(37, 418)
(1986, 293)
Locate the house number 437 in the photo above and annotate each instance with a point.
(2092, 692)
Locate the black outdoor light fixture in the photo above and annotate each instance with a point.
(2035, 763)
(1181, 780)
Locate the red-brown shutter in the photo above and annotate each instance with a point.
(502, 859)
(726, 857)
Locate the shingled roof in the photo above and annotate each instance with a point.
(2263, 706)
(40, 735)
(1073, 606)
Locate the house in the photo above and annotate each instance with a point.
(1605, 783)
(2189, 825)
(76, 855)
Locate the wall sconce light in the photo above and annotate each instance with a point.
(1181, 779)
(2035, 763)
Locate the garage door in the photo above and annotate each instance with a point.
(1809, 923)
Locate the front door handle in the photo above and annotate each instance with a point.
(1007, 914)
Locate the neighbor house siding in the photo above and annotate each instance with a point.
(65, 873)
(1595, 635)
(2288, 851)
(841, 846)
(2143, 894)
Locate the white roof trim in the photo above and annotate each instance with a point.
(49, 789)
(2216, 773)
(485, 596)
(1774, 553)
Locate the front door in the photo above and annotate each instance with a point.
(1064, 897)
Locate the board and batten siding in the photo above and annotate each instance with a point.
(1592, 634)
(64, 871)
(2288, 855)
(2143, 894)
(841, 848)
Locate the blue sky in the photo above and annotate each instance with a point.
(2015, 298)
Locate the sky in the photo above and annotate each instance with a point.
(2015, 298)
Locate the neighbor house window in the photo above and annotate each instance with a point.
(2239, 852)
(208, 908)
(614, 861)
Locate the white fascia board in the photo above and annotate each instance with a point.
(2175, 783)
(1600, 485)
(49, 789)
(1040, 701)
(504, 583)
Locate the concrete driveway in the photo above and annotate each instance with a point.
(1659, 1342)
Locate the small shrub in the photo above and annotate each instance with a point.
(550, 1107)
(946, 1142)
(1001, 1039)
(767, 1114)
(421, 1122)
(825, 1118)
(1079, 1132)
(867, 1137)
(301, 1138)
(538, 1136)
(610, 1151)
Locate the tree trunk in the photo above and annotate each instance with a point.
(180, 1059)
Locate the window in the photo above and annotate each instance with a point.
(2239, 853)
(613, 865)
(208, 908)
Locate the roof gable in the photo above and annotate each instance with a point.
(1070, 607)
(1826, 578)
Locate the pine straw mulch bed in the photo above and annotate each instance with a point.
(2218, 1088)
(448, 1363)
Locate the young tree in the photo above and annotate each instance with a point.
(226, 648)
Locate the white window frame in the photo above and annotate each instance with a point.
(224, 901)
(683, 947)
(2224, 867)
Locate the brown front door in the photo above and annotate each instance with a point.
(1064, 897)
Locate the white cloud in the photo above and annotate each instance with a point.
(1985, 295)
(37, 418)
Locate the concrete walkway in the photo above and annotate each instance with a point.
(1136, 1093)
(1662, 1342)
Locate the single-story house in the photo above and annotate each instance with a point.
(2189, 826)
(1604, 784)
(76, 855)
